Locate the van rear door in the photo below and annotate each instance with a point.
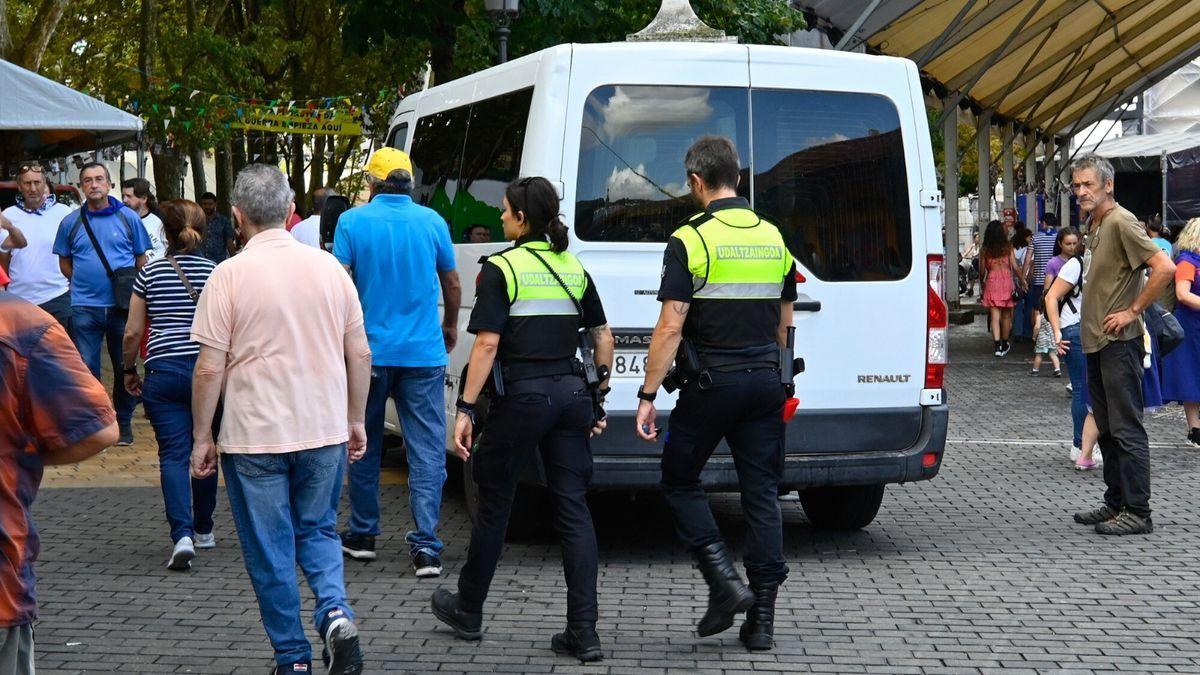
(633, 111)
(836, 166)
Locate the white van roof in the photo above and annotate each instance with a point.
(558, 58)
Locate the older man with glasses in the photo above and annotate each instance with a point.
(27, 232)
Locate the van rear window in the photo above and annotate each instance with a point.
(827, 167)
(829, 170)
(632, 185)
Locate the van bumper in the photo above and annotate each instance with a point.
(865, 466)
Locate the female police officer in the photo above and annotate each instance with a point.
(534, 306)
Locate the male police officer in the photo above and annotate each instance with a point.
(728, 283)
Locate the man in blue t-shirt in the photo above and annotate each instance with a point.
(95, 316)
(399, 253)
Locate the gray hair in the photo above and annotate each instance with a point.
(1102, 167)
(263, 195)
(715, 160)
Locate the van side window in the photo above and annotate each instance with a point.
(829, 169)
(436, 156)
(631, 184)
(399, 137)
(491, 160)
(464, 157)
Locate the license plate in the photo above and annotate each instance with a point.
(629, 364)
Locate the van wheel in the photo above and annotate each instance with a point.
(842, 507)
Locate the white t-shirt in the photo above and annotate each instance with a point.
(308, 231)
(1070, 273)
(158, 238)
(34, 269)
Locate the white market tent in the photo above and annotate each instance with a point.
(1156, 173)
(42, 118)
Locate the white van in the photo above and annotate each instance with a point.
(835, 150)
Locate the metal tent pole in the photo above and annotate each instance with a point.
(950, 201)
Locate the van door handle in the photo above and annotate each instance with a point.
(807, 306)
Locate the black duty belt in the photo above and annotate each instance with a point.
(766, 356)
(525, 370)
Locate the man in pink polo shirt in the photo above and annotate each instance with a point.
(281, 335)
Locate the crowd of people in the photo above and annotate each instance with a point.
(328, 336)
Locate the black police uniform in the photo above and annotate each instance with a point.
(742, 405)
(546, 405)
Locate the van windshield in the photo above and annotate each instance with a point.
(632, 185)
(828, 169)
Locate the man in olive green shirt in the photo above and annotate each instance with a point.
(1115, 293)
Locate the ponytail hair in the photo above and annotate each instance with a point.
(184, 224)
(536, 198)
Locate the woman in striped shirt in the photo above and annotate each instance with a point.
(165, 295)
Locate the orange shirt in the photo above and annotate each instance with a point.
(1185, 271)
(281, 311)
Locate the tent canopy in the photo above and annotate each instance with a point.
(1048, 65)
(42, 118)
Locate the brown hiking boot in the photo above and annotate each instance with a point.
(1126, 523)
(1096, 516)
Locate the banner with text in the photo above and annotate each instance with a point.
(330, 121)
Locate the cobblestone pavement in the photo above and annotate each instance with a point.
(979, 570)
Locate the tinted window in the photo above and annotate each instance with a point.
(436, 156)
(399, 137)
(631, 183)
(829, 168)
(491, 160)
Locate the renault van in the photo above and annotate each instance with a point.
(835, 150)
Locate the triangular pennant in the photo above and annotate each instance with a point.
(193, 94)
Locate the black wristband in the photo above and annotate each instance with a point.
(647, 396)
(132, 370)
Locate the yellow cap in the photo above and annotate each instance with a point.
(386, 160)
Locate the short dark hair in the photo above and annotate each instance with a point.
(319, 196)
(92, 165)
(398, 182)
(1050, 219)
(142, 190)
(715, 160)
(207, 195)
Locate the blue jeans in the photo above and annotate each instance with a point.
(1077, 372)
(89, 327)
(167, 395)
(420, 404)
(285, 509)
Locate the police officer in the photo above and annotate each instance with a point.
(534, 305)
(727, 288)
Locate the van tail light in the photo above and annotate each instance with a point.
(937, 324)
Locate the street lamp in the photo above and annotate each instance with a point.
(503, 12)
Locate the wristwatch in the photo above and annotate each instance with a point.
(132, 370)
(647, 396)
(465, 408)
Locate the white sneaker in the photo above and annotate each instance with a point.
(1075, 452)
(206, 540)
(181, 557)
(1097, 456)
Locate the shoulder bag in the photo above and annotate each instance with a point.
(122, 278)
(191, 290)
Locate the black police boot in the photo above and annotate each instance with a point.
(579, 640)
(758, 631)
(466, 625)
(727, 595)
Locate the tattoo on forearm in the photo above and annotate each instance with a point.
(681, 308)
(598, 331)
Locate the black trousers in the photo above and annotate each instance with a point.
(555, 415)
(1115, 387)
(746, 409)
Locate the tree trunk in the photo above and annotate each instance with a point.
(5, 37)
(225, 175)
(199, 180)
(445, 34)
(168, 174)
(316, 176)
(296, 141)
(40, 33)
(146, 43)
(237, 155)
